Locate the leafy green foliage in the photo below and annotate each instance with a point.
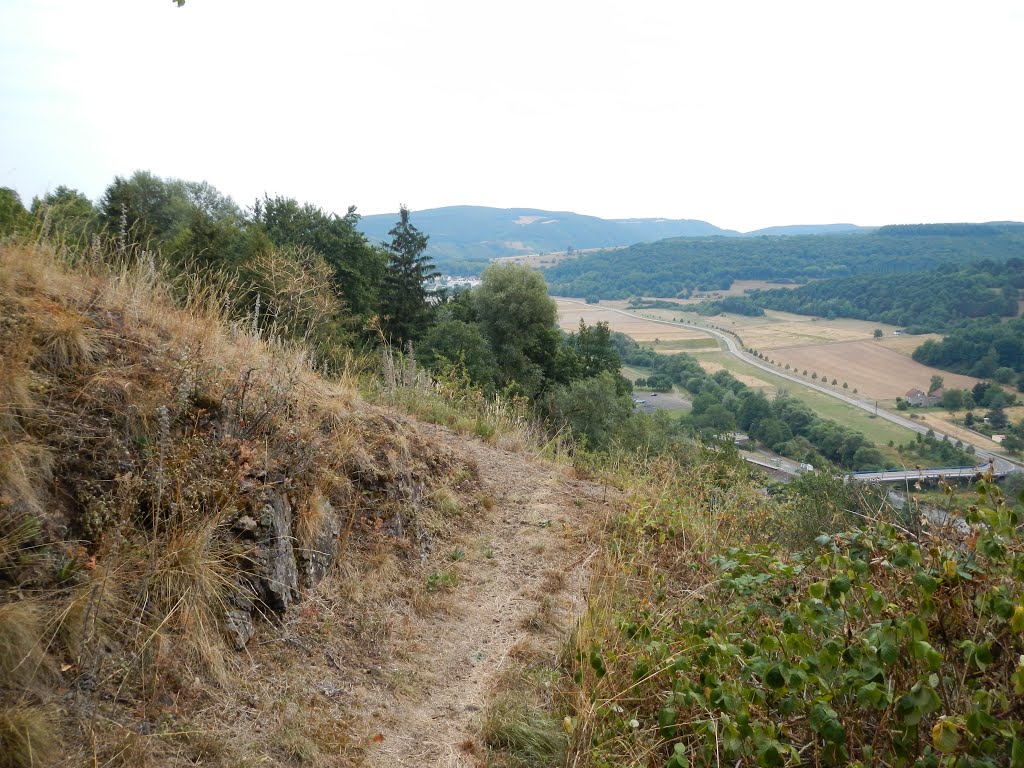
(924, 302)
(358, 268)
(877, 648)
(593, 407)
(518, 320)
(928, 450)
(68, 214)
(978, 349)
(13, 216)
(455, 342)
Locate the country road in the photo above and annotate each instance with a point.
(1000, 463)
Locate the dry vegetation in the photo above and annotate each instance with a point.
(174, 486)
(875, 370)
(570, 313)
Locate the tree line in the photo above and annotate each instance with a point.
(679, 266)
(922, 302)
(986, 349)
(297, 271)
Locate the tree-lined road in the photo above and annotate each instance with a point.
(1000, 464)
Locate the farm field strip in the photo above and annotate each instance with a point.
(878, 372)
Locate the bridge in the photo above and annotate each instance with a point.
(926, 475)
(931, 474)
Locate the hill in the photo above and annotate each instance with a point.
(807, 229)
(210, 554)
(463, 238)
(923, 302)
(679, 266)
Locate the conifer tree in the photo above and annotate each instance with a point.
(406, 312)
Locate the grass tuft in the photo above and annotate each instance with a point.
(67, 341)
(524, 737)
(21, 654)
(28, 737)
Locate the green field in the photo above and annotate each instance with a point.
(679, 345)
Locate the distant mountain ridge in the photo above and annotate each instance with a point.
(472, 233)
(465, 238)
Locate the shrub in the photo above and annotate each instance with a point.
(878, 647)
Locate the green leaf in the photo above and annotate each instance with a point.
(597, 663)
(769, 755)
(1017, 753)
(774, 678)
(817, 589)
(1017, 620)
(945, 736)
(888, 652)
(840, 585)
(667, 722)
(678, 759)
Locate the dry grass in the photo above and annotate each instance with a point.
(66, 341)
(28, 737)
(875, 370)
(26, 469)
(21, 649)
(143, 434)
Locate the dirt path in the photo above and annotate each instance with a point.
(520, 584)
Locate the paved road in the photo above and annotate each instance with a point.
(1001, 464)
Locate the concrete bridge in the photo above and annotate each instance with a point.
(932, 475)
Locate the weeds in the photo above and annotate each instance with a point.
(145, 431)
(442, 581)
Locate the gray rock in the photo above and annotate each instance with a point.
(245, 525)
(240, 627)
(276, 568)
(315, 560)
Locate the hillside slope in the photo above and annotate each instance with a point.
(209, 554)
(677, 266)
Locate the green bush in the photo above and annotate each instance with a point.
(880, 648)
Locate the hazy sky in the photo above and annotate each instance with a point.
(745, 114)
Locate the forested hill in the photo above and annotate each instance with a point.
(677, 266)
(923, 302)
(468, 236)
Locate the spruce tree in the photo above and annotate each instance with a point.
(406, 312)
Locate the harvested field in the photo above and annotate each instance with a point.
(570, 314)
(752, 381)
(906, 345)
(942, 421)
(874, 369)
(782, 329)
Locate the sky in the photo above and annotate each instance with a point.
(744, 113)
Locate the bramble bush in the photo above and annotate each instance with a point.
(877, 647)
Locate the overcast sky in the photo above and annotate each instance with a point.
(745, 114)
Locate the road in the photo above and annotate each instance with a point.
(732, 345)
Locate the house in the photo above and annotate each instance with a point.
(917, 398)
